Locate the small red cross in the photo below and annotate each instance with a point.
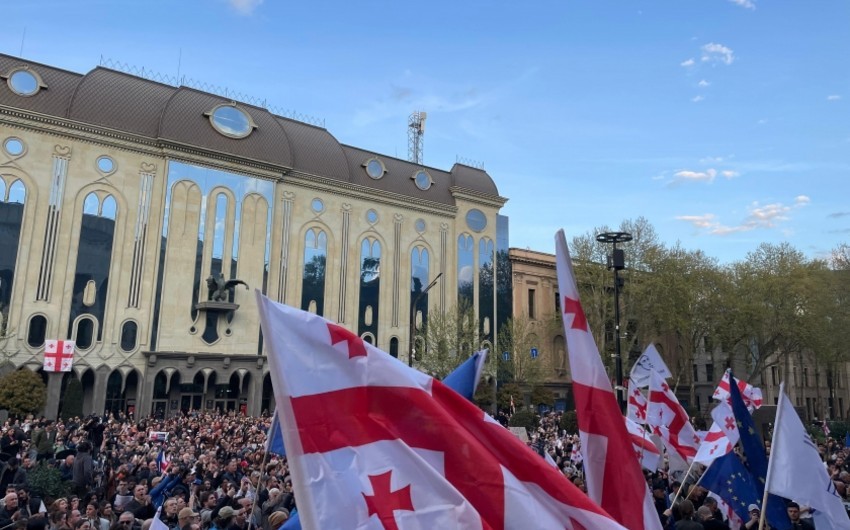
(730, 424)
(356, 348)
(712, 450)
(665, 387)
(383, 502)
(61, 352)
(636, 392)
(574, 307)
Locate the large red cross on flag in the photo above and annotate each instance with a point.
(58, 355)
(373, 443)
(614, 477)
(670, 420)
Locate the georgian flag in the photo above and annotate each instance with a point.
(614, 477)
(722, 436)
(646, 451)
(669, 420)
(58, 355)
(751, 395)
(636, 405)
(373, 443)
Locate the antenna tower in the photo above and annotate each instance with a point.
(415, 134)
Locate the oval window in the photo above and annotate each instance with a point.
(422, 179)
(23, 83)
(37, 331)
(375, 168)
(13, 146)
(317, 206)
(420, 225)
(85, 333)
(129, 331)
(105, 164)
(372, 216)
(476, 220)
(231, 121)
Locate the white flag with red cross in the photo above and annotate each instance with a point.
(636, 405)
(646, 451)
(58, 355)
(751, 395)
(722, 436)
(669, 420)
(614, 477)
(375, 444)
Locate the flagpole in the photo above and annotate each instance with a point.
(259, 485)
(770, 460)
(684, 481)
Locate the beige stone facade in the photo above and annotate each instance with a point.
(120, 198)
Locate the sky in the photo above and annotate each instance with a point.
(725, 123)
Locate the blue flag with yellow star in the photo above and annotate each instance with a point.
(775, 513)
(728, 478)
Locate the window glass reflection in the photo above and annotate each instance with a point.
(370, 287)
(18, 192)
(91, 204)
(315, 260)
(11, 219)
(109, 208)
(465, 271)
(219, 230)
(486, 306)
(419, 280)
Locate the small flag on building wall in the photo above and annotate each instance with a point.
(58, 355)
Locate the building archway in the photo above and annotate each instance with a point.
(268, 402)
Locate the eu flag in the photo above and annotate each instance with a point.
(728, 478)
(776, 513)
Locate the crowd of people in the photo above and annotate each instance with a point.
(211, 471)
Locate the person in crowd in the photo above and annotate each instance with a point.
(797, 522)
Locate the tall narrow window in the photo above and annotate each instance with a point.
(219, 231)
(315, 259)
(465, 271)
(94, 262)
(532, 294)
(709, 372)
(419, 279)
(11, 218)
(486, 289)
(370, 287)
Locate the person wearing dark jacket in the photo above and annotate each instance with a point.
(83, 471)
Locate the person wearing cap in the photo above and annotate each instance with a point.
(186, 518)
(755, 514)
(224, 518)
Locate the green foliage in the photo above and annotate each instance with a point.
(22, 392)
(504, 398)
(525, 418)
(484, 394)
(569, 422)
(518, 336)
(450, 339)
(46, 482)
(540, 395)
(72, 401)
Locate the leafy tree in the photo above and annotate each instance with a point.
(506, 391)
(540, 395)
(569, 422)
(72, 402)
(450, 338)
(45, 481)
(22, 392)
(518, 336)
(525, 418)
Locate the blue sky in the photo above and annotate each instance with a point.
(726, 123)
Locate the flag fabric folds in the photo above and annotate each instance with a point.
(646, 451)
(669, 420)
(374, 443)
(464, 379)
(650, 361)
(58, 355)
(162, 461)
(614, 478)
(797, 472)
(825, 426)
(157, 523)
(729, 479)
(722, 436)
(756, 456)
(751, 395)
(274, 438)
(635, 404)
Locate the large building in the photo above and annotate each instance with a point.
(126, 206)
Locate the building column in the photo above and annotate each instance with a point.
(144, 403)
(54, 395)
(255, 394)
(99, 401)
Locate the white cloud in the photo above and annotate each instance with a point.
(748, 4)
(695, 176)
(759, 216)
(697, 99)
(703, 83)
(833, 97)
(729, 174)
(245, 7)
(713, 52)
(689, 62)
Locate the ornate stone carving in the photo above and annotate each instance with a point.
(62, 150)
(148, 168)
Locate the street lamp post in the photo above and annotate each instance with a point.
(617, 262)
(411, 346)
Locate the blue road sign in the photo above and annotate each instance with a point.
(533, 353)
(506, 356)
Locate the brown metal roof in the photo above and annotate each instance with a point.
(123, 102)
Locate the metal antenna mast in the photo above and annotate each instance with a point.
(415, 133)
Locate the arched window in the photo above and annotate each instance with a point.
(370, 287)
(219, 231)
(11, 219)
(129, 333)
(315, 260)
(85, 333)
(420, 277)
(394, 347)
(465, 271)
(37, 331)
(486, 286)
